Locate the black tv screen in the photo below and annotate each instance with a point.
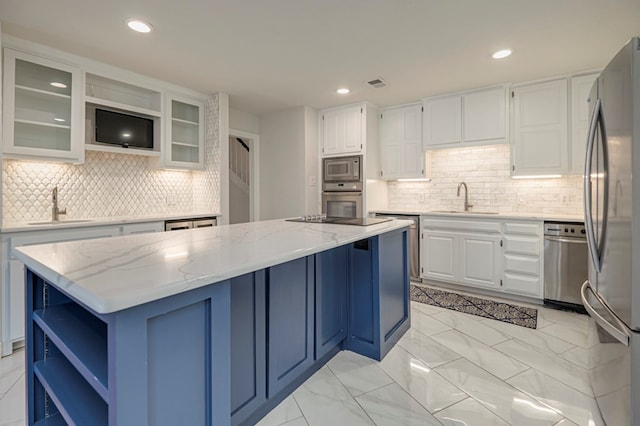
(123, 129)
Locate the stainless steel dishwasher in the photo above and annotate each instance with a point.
(414, 246)
(565, 264)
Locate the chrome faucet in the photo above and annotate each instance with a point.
(55, 211)
(467, 206)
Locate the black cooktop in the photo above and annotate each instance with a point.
(357, 221)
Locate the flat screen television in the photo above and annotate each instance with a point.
(127, 131)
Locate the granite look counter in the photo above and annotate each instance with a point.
(212, 326)
(109, 275)
(554, 217)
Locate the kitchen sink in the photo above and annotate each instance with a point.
(60, 222)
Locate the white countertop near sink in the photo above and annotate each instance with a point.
(485, 215)
(101, 221)
(111, 274)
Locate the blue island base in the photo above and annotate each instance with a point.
(222, 354)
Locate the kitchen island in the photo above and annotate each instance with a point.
(205, 326)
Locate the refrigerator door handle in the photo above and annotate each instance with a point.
(620, 332)
(595, 250)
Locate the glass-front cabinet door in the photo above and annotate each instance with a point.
(185, 134)
(42, 108)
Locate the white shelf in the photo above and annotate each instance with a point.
(189, 145)
(120, 150)
(192, 123)
(39, 123)
(42, 92)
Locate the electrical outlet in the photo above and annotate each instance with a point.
(313, 181)
(520, 198)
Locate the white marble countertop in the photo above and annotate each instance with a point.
(112, 274)
(99, 221)
(484, 215)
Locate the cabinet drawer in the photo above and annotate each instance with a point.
(522, 264)
(523, 228)
(463, 225)
(522, 245)
(522, 284)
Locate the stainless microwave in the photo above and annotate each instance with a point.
(342, 169)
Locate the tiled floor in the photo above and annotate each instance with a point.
(449, 369)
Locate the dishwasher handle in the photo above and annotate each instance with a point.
(620, 332)
(567, 240)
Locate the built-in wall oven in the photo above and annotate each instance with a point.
(342, 186)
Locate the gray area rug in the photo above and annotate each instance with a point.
(505, 312)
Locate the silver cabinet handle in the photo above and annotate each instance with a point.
(620, 333)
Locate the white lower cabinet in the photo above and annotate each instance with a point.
(142, 228)
(523, 257)
(461, 251)
(491, 254)
(12, 290)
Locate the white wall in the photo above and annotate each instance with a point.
(240, 120)
(282, 164)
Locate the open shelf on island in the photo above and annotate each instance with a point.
(82, 338)
(54, 420)
(73, 396)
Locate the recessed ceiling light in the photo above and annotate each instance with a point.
(58, 85)
(501, 54)
(139, 26)
(343, 91)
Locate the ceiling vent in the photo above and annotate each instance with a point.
(377, 83)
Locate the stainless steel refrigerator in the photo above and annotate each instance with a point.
(611, 294)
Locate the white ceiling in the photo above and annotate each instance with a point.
(275, 54)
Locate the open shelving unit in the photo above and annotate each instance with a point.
(68, 360)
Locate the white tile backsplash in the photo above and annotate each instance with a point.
(485, 169)
(111, 185)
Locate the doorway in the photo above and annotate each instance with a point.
(243, 177)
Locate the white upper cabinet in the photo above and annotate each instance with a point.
(42, 109)
(540, 127)
(580, 88)
(443, 121)
(185, 134)
(401, 154)
(341, 130)
(485, 115)
(475, 117)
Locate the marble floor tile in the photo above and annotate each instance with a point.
(424, 308)
(473, 326)
(480, 354)
(562, 370)
(508, 403)
(567, 401)
(548, 316)
(576, 335)
(420, 381)
(284, 412)
(427, 324)
(11, 368)
(577, 355)
(565, 422)
(300, 421)
(469, 412)
(12, 404)
(392, 406)
(426, 349)
(358, 373)
(323, 400)
(533, 337)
